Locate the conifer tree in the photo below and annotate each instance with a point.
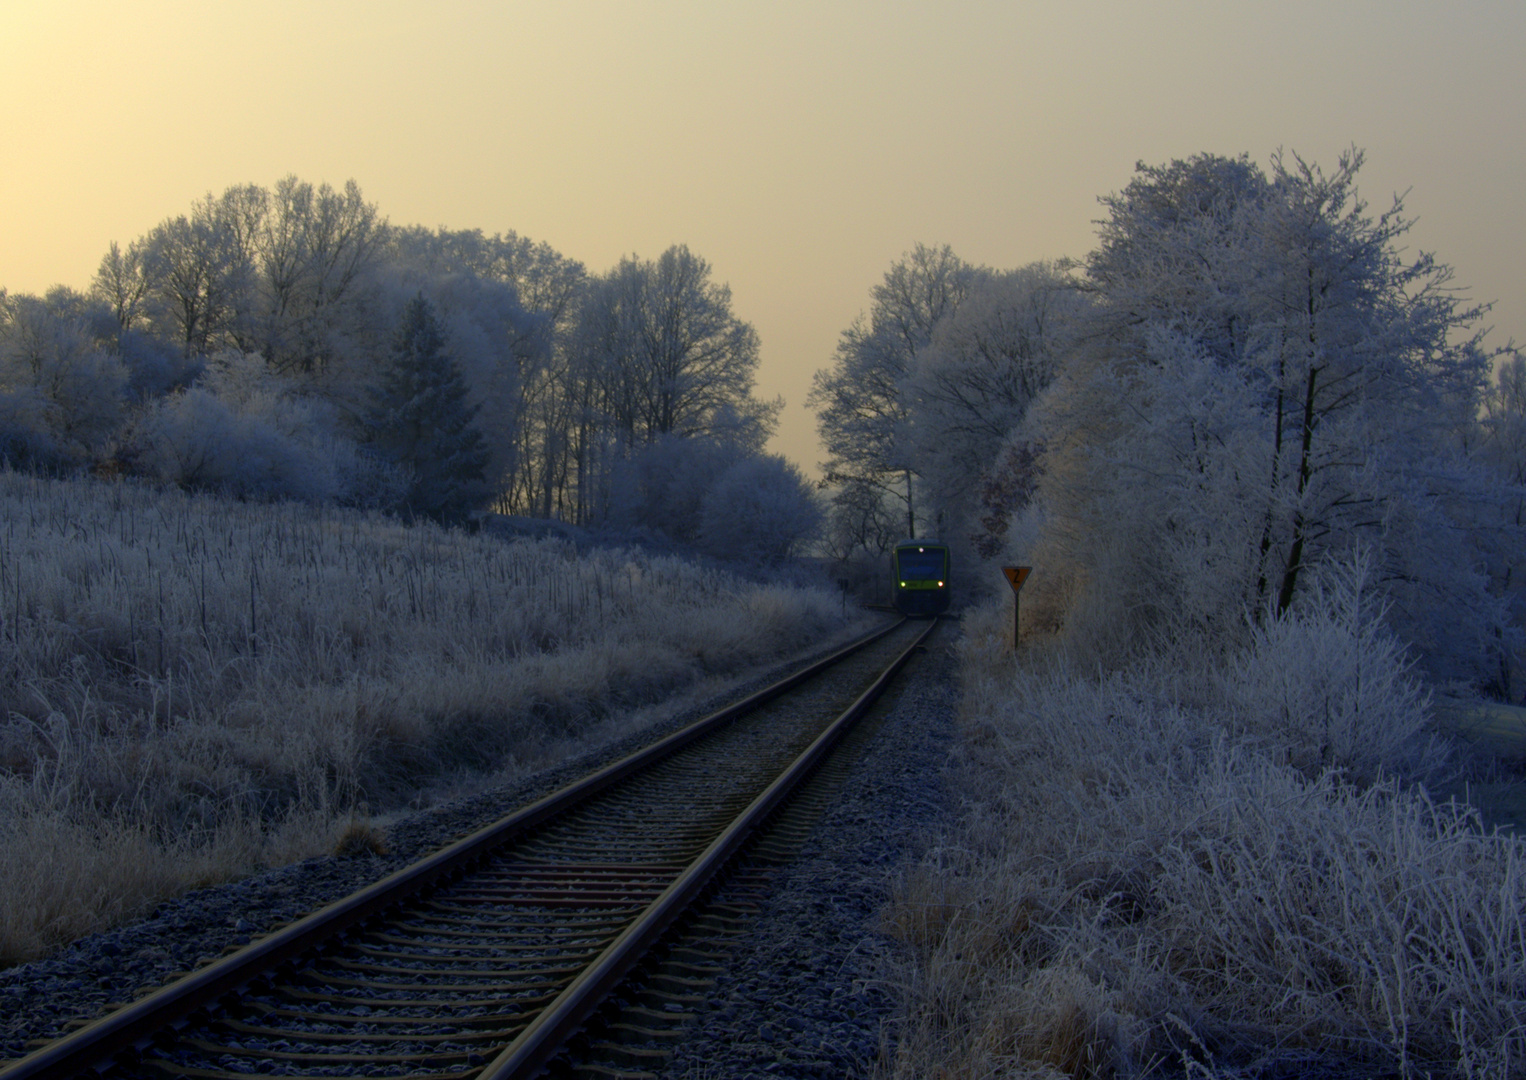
(420, 420)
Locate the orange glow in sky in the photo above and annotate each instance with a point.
(799, 147)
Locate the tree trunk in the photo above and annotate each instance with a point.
(1266, 529)
(1305, 471)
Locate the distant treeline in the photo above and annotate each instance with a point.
(290, 342)
(1247, 389)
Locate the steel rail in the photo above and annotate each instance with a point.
(133, 1026)
(541, 1040)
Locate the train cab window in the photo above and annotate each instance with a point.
(921, 565)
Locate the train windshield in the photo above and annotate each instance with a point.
(926, 565)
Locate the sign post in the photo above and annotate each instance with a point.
(1016, 575)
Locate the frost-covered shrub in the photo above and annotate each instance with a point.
(759, 511)
(245, 431)
(662, 486)
(719, 496)
(153, 367)
(244, 382)
(1328, 688)
(1133, 891)
(196, 441)
(68, 394)
(364, 480)
(86, 392)
(25, 440)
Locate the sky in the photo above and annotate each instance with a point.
(799, 147)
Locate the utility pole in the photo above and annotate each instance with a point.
(911, 518)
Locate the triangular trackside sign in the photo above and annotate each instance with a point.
(1016, 575)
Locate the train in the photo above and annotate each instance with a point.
(920, 577)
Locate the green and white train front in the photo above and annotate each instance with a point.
(921, 577)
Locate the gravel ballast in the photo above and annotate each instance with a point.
(807, 991)
(803, 996)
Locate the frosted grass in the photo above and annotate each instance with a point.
(1152, 877)
(192, 687)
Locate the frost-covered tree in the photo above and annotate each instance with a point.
(120, 284)
(421, 421)
(656, 354)
(197, 279)
(537, 445)
(313, 250)
(550, 426)
(1267, 387)
(281, 272)
(1504, 427)
(545, 281)
(667, 352)
(484, 323)
(863, 416)
(969, 388)
(860, 521)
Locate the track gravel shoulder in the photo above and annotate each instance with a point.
(806, 992)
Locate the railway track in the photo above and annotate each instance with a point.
(483, 959)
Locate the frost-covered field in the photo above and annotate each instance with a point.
(192, 687)
(1197, 872)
